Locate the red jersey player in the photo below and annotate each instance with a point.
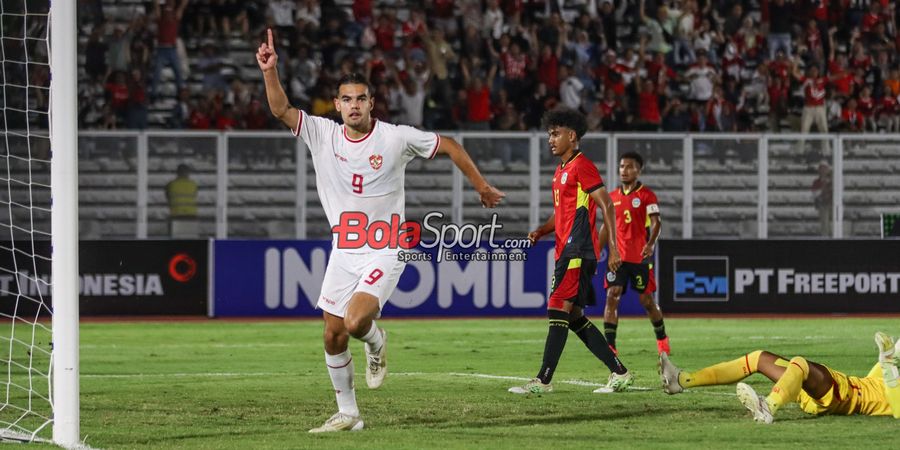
(577, 190)
(638, 225)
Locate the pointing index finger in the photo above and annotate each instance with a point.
(271, 41)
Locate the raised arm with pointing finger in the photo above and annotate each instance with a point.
(278, 101)
(355, 111)
(359, 165)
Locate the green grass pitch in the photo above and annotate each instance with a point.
(235, 385)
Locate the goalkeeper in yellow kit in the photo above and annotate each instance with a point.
(817, 388)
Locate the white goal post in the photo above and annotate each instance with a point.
(64, 221)
(39, 373)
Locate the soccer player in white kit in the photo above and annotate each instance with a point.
(360, 169)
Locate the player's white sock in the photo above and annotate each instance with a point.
(340, 369)
(373, 339)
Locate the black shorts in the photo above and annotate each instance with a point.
(639, 275)
(572, 282)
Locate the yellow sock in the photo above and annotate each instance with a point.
(789, 385)
(891, 385)
(722, 373)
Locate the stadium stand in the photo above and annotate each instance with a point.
(751, 49)
(627, 62)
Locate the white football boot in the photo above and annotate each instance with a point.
(340, 422)
(616, 383)
(668, 374)
(376, 364)
(532, 387)
(756, 404)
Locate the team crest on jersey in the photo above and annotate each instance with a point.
(375, 161)
(636, 202)
(610, 276)
(565, 176)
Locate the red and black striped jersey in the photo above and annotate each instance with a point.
(576, 212)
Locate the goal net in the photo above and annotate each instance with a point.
(38, 223)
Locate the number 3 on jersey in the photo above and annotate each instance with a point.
(357, 183)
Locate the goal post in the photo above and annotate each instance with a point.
(64, 221)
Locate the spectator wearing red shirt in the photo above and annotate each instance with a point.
(548, 68)
(872, 18)
(376, 67)
(820, 15)
(866, 107)
(889, 113)
(443, 13)
(168, 19)
(256, 118)
(749, 40)
(861, 58)
(781, 66)
(779, 93)
(385, 32)
(851, 118)
(137, 101)
(225, 120)
(415, 25)
(362, 11)
(814, 89)
(117, 94)
(610, 74)
(478, 100)
(840, 77)
(515, 69)
(498, 107)
(199, 118)
(658, 70)
(732, 63)
(648, 117)
(720, 113)
(612, 111)
(513, 7)
(813, 37)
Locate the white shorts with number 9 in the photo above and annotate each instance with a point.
(347, 273)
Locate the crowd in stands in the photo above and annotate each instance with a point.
(670, 65)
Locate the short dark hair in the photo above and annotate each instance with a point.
(568, 118)
(352, 78)
(635, 156)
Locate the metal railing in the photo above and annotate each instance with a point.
(262, 184)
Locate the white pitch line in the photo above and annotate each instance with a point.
(485, 376)
(186, 375)
(572, 382)
(201, 344)
(8, 436)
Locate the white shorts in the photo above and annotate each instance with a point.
(347, 273)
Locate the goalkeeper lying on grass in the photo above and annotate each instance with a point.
(818, 389)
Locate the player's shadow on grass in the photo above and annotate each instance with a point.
(611, 414)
